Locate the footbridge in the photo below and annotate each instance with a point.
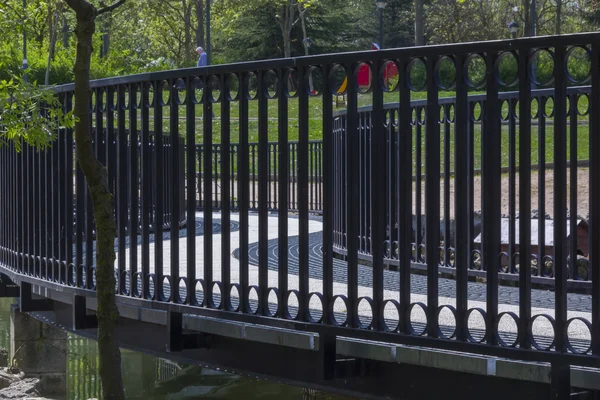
(436, 231)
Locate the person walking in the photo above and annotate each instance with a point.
(203, 59)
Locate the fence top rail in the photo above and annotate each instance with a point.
(350, 57)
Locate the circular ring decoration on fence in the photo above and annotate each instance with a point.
(578, 65)
(340, 311)
(569, 340)
(548, 106)
(217, 289)
(439, 314)
(389, 76)
(270, 84)
(250, 86)
(198, 87)
(126, 280)
(182, 283)
(542, 66)
(137, 95)
(534, 342)
(411, 326)
(272, 301)
(199, 291)
(162, 296)
(291, 304)
(392, 307)
(417, 75)
(583, 104)
(315, 307)
(235, 291)
(111, 98)
(71, 275)
(252, 299)
(181, 88)
(475, 71)
(501, 336)
(137, 286)
(150, 287)
(214, 88)
(445, 73)
(471, 337)
(164, 95)
(506, 69)
(313, 81)
(292, 81)
(232, 87)
(366, 321)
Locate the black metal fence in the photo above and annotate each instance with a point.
(542, 121)
(260, 99)
(315, 156)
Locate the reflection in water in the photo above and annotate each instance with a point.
(147, 377)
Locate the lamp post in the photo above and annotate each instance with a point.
(380, 6)
(25, 65)
(513, 27)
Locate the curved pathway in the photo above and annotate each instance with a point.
(391, 279)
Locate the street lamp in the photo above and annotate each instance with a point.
(380, 6)
(513, 27)
(25, 65)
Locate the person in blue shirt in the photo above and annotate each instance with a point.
(203, 60)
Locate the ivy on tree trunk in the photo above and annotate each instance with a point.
(102, 203)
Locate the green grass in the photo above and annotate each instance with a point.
(315, 127)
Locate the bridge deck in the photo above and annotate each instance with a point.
(579, 305)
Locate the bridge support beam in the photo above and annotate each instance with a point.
(29, 304)
(81, 320)
(40, 351)
(178, 340)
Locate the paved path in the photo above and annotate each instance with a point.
(542, 301)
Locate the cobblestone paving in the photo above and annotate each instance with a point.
(447, 287)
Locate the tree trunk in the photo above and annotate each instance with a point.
(65, 31)
(526, 18)
(103, 207)
(559, 4)
(419, 23)
(303, 23)
(200, 26)
(187, 16)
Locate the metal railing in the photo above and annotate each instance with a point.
(36, 206)
(542, 121)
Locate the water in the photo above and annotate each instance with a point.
(151, 378)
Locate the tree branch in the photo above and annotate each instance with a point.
(111, 7)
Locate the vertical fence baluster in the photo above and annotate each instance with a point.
(328, 204)
(461, 213)
(158, 189)
(405, 167)
(432, 196)
(378, 148)
(146, 192)
(225, 194)
(524, 197)
(244, 189)
(283, 181)
(133, 188)
(123, 181)
(302, 184)
(491, 200)
(174, 184)
(208, 195)
(573, 186)
(560, 197)
(352, 194)
(263, 192)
